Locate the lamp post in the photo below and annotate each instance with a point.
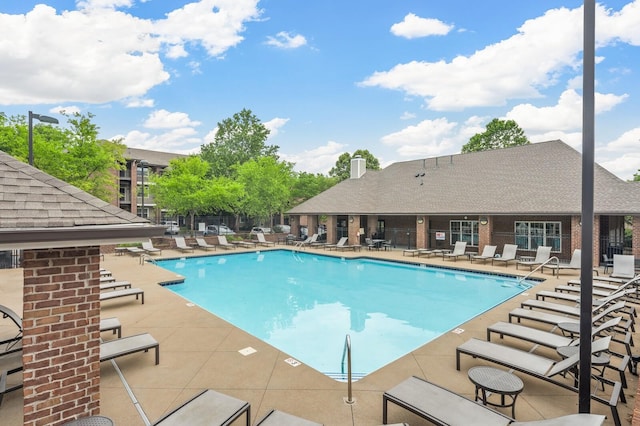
(143, 164)
(42, 118)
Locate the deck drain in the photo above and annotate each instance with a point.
(292, 362)
(247, 351)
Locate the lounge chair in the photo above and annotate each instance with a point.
(137, 251)
(307, 242)
(280, 418)
(246, 244)
(115, 348)
(623, 266)
(115, 285)
(222, 242)
(139, 293)
(574, 263)
(487, 253)
(263, 241)
(508, 254)
(182, 245)
(543, 253)
(443, 407)
(208, 408)
(202, 244)
(543, 368)
(148, 247)
(458, 250)
(575, 310)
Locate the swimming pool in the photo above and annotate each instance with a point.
(305, 304)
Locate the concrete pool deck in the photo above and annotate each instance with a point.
(199, 350)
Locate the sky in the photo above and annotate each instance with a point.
(404, 79)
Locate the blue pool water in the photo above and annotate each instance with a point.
(305, 304)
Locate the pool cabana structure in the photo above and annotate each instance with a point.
(59, 229)
(528, 195)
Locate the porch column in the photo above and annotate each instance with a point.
(595, 250)
(372, 225)
(61, 340)
(353, 222)
(422, 232)
(485, 230)
(332, 222)
(312, 225)
(294, 223)
(576, 237)
(635, 236)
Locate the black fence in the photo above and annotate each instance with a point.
(10, 259)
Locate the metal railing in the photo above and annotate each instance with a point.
(346, 351)
(546, 262)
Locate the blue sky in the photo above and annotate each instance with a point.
(405, 79)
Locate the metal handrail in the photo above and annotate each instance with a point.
(540, 266)
(347, 351)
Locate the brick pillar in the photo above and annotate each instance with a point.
(294, 223)
(372, 226)
(332, 222)
(485, 230)
(635, 236)
(61, 340)
(422, 232)
(576, 235)
(353, 222)
(595, 250)
(312, 225)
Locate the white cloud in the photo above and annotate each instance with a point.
(427, 138)
(414, 26)
(181, 141)
(40, 68)
(317, 160)
(139, 102)
(69, 109)
(497, 73)
(163, 119)
(565, 115)
(275, 125)
(407, 115)
(284, 40)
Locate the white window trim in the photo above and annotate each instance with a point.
(473, 224)
(544, 243)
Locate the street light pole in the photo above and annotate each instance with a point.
(143, 164)
(42, 118)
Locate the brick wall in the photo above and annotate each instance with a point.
(61, 343)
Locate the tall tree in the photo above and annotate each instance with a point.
(342, 169)
(267, 183)
(185, 188)
(74, 155)
(636, 177)
(238, 140)
(498, 134)
(307, 185)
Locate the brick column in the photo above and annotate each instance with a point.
(372, 225)
(353, 222)
(595, 250)
(576, 236)
(61, 340)
(422, 232)
(294, 222)
(485, 230)
(332, 222)
(312, 225)
(635, 236)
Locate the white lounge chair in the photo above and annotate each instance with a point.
(182, 245)
(458, 250)
(207, 408)
(307, 242)
(623, 266)
(508, 254)
(262, 241)
(149, 248)
(222, 242)
(574, 263)
(543, 253)
(204, 245)
(487, 253)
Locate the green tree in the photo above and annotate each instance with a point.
(636, 177)
(307, 185)
(498, 134)
(74, 155)
(237, 140)
(267, 184)
(342, 169)
(185, 188)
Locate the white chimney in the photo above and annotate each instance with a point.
(358, 167)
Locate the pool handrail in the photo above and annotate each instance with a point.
(347, 351)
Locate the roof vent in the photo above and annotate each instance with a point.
(358, 167)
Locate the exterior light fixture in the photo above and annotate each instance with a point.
(350, 219)
(42, 118)
(483, 221)
(420, 220)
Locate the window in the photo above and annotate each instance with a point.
(464, 230)
(531, 235)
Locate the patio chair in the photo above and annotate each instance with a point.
(370, 244)
(546, 369)
(263, 241)
(148, 247)
(222, 242)
(307, 242)
(458, 250)
(508, 254)
(542, 255)
(182, 245)
(444, 407)
(563, 308)
(137, 251)
(202, 244)
(607, 263)
(623, 266)
(574, 263)
(137, 292)
(341, 242)
(207, 408)
(487, 253)
(280, 418)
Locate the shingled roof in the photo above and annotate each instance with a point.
(38, 210)
(536, 179)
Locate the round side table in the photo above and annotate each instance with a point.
(493, 380)
(91, 421)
